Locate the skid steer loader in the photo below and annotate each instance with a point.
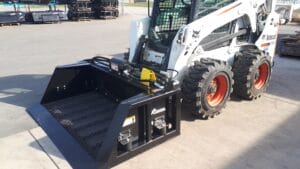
(102, 111)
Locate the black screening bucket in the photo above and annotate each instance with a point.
(98, 118)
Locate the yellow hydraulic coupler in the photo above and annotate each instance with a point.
(148, 76)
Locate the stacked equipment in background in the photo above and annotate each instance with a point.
(106, 9)
(29, 11)
(99, 9)
(79, 9)
(20, 11)
(48, 16)
(12, 17)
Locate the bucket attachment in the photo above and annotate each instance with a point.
(98, 118)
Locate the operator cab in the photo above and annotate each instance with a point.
(168, 16)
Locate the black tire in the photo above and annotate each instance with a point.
(197, 84)
(250, 74)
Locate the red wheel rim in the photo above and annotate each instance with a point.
(261, 76)
(217, 90)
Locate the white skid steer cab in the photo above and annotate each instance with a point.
(100, 112)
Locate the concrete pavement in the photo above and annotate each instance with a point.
(31, 149)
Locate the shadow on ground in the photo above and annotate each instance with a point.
(279, 149)
(22, 90)
(285, 78)
(45, 144)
